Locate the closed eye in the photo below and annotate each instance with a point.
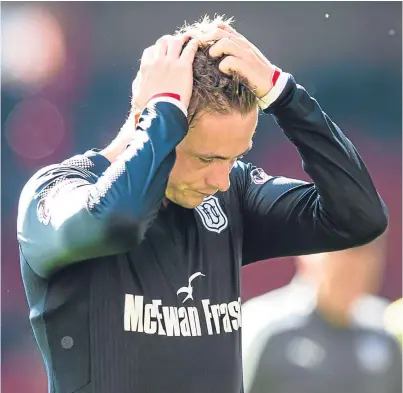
(211, 159)
(206, 160)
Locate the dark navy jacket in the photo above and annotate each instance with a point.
(127, 296)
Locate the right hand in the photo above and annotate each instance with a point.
(165, 68)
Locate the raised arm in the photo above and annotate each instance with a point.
(340, 209)
(85, 208)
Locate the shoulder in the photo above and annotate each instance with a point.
(243, 174)
(79, 165)
(249, 179)
(242, 177)
(245, 178)
(48, 181)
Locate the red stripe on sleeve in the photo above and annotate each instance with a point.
(172, 95)
(275, 76)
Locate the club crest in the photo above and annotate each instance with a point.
(212, 215)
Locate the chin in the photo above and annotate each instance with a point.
(187, 205)
(189, 202)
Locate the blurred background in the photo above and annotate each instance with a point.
(67, 70)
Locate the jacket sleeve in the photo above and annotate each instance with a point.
(339, 209)
(86, 207)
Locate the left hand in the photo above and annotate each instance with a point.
(242, 57)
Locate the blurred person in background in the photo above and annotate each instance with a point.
(131, 255)
(323, 332)
(393, 319)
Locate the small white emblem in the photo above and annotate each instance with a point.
(189, 288)
(212, 215)
(259, 176)
(43, 212)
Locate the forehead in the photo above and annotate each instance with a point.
(227, 135)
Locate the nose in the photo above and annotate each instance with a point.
(218, 178)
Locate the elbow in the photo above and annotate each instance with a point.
(128, 226)
(369, 225)
(126, 229)
(380, 220)
(123, 216)
(375, 229)
(383, 221)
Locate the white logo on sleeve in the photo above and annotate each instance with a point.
(259, 176)
(212, 215)
(189, 288)
(43, 212)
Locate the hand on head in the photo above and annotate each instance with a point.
(166, 67)
(239, 56)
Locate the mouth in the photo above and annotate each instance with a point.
(203, 193)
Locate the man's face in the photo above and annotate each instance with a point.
(207, 154)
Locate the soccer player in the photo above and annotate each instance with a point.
(131, 256)
(323, 332)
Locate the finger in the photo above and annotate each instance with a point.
(164, 38)
(213, 35)
(136, 81)
(190, 50)
(242, 41)
(225, 46)
(175, 46)
(148, 55)
(231, 30)
(162, 46)
(231, 65)
(218, 34)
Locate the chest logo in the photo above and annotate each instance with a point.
(189, 288)
(212, 215)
